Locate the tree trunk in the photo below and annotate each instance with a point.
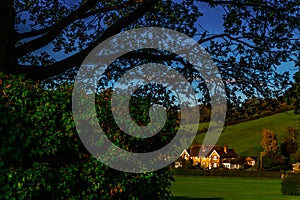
(8, 59)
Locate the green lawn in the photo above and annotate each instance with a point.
(245, 137)
(228, 188)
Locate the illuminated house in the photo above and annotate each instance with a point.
(213, 156)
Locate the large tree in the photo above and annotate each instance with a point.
(256, 36)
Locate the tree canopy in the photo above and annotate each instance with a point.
(256, 36)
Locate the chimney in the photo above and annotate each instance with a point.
(225, 148)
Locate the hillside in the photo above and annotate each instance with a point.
(245, 137)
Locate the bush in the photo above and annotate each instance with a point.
(42, 156)
(290, 185)
(228, 173)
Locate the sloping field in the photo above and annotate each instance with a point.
(245, 137)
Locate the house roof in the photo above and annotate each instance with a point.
(186, 151)
(231, 161)
(224, 153)
(251, 158)
(194, 150)
(230, 153)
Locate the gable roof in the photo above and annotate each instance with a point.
(185, 151)
(249, 158)
(230, 153)
(224, 153)
(213, 153)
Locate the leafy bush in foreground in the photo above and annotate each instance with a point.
(42, 156)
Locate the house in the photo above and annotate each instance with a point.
(177, 164)
(250, 161)
(213, 156)
(231, 164)
(296, 167)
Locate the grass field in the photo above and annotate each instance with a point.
(245, 137)
(227, 188)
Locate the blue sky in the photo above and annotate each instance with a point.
(212, 19)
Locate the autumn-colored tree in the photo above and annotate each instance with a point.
(269, 142)
(270, 145)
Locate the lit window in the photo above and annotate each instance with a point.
(215, 158)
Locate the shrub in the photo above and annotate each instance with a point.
(290, 185)
(228, 173)
(42, 156)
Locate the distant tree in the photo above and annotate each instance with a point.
(296, 92)
(289, 147)
(253, 105)
(205, 112)
(269, 142)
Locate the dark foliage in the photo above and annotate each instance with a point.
(290, 185)
(42, 156)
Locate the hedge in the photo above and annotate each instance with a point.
(42, 156)
(228, 173)
(290, 185)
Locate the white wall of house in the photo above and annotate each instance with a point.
(231, 166)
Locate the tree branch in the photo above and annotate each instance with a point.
(237, 39)
(203, 40)
(42, 73)
(52, 33)
(238, 3)
(65, 21)
(240, 41)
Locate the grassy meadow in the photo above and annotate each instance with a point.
(227, 188)
(245, 137)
